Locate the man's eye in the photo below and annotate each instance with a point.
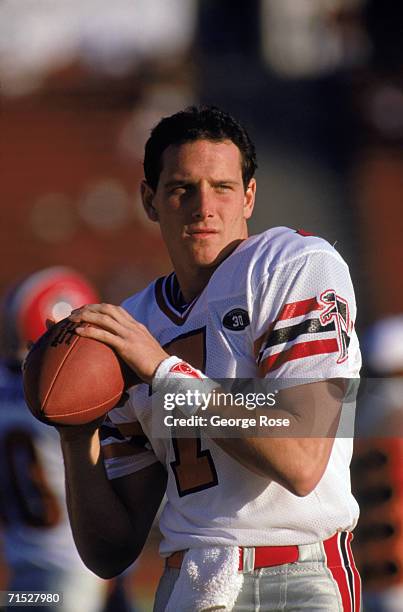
(178, 190)
(223, 187)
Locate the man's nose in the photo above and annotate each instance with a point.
(203, 203)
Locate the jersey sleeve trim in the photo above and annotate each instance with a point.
(124, 466)
(296, 309)
(290, 325)
(121, 449)
(302, 334)
(298, 351)
(125, 448)
(315, 325)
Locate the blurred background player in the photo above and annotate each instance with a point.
(377, 468)
(37, 541)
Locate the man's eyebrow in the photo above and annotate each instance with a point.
(189, 181)
(225, 182)
(179, 181)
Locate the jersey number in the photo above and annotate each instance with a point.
(193, 468)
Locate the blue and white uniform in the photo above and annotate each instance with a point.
(37, 541)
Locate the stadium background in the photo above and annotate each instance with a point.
(318, 83)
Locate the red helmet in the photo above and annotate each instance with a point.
(49, 294)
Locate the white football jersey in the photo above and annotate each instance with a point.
(280, 306)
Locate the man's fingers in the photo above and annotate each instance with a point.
(101, 334)
(100, 320)
(85, 307)
(123, 312)
(84, 313)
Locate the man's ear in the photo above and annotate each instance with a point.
(249, 201)
(147, 197)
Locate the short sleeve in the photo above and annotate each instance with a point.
(305, 312)
(125, 447)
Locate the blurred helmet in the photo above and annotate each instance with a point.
(49, 294)
(383, 345)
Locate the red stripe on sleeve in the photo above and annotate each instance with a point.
(296, 309)
(298, 351)
(334, 562)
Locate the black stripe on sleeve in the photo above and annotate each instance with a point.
(288, 334)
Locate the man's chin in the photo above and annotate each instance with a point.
(207, 262)
(208, 259)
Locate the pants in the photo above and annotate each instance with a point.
(317, 582)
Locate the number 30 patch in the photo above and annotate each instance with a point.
(236, 319)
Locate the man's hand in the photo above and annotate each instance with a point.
(129, 338)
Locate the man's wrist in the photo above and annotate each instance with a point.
(163, 371)
(76, 434)
(175, 376)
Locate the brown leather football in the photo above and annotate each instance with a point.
(73, 380)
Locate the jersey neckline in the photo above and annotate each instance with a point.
(169, 297)
(170, 300)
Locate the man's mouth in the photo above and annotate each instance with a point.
(202, 232)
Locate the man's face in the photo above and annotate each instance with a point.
(200, 201)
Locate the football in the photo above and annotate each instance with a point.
(71, 380)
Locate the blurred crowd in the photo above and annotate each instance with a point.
(319, 85)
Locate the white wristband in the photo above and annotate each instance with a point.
(176, 376)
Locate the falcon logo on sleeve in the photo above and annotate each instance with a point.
(307, 328)
(336, 310)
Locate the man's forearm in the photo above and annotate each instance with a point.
(294, 456)
(287, 461)
(101, 526)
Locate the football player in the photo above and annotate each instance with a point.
(37, 541)
(251, 522)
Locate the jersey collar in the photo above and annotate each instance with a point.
(170, 300)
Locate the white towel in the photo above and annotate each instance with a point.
(208, 580)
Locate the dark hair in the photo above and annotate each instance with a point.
(195, 123)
